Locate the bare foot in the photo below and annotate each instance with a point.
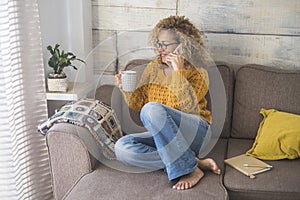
(189, 180)
(208, 164)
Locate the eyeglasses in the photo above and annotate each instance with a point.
(164, 46)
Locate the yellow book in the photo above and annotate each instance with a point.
(248, 165)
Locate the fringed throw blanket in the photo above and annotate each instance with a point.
(96, 116)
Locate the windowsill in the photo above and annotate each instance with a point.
(76, 90)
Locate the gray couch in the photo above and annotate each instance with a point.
(77, 175)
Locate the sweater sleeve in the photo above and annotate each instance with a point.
(190, 87)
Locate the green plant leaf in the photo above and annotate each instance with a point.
(74, 67)
(49, 48)
(61, 59)
(56, 46)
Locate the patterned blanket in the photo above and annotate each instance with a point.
(96, 116)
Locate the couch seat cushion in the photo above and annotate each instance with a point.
(106, 183)
(281, 182)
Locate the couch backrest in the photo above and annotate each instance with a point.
(227, 75)
(259, 87)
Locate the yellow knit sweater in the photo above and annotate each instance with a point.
(185, 90)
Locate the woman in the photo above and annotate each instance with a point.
(171, 100)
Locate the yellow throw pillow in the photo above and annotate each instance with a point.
(278, 136)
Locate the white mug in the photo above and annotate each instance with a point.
(129, 81)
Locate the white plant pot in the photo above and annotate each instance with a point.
(57, 84)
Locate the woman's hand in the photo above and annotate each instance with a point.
(175, 60)
(118, 79)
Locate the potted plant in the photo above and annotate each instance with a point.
(57, 80)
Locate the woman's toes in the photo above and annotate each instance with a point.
(179, 186)
(189, 180)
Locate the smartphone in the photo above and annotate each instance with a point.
(178, 49)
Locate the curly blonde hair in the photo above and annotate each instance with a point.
(187, 34)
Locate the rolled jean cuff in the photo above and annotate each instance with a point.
(181, 167)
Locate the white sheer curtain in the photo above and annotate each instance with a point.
(24, 164)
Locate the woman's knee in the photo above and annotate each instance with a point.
(152, 111)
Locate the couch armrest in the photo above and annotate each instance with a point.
(69, 157)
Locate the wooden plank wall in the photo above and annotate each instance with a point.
(238, 31)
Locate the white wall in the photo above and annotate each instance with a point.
(69, 23)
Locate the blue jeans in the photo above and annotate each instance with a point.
(171, 143)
